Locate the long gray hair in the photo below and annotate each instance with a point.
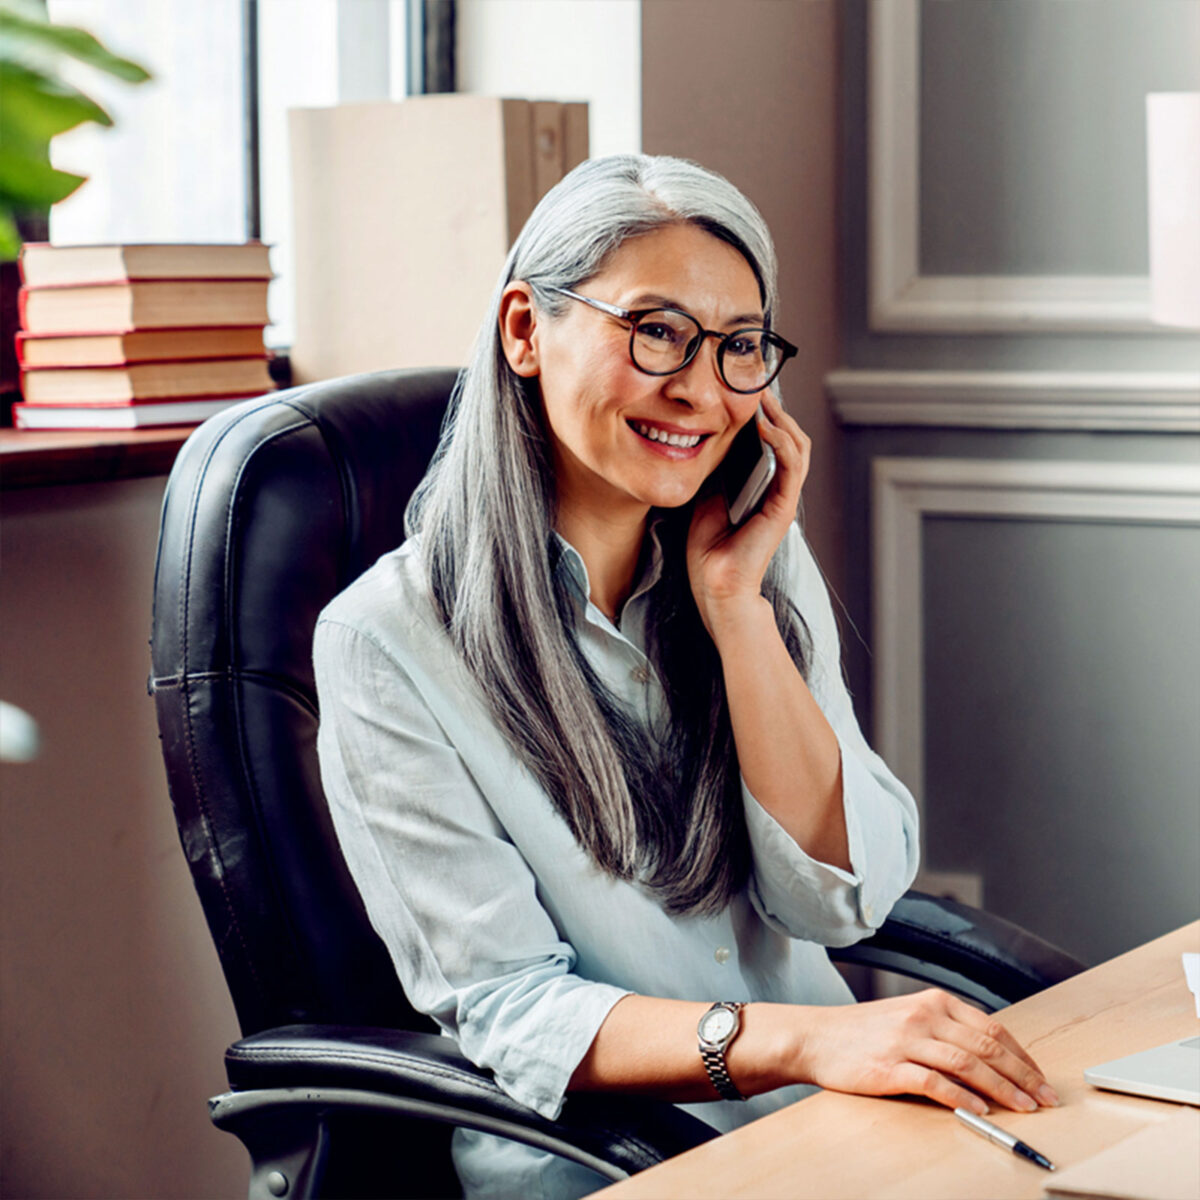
(662, 807)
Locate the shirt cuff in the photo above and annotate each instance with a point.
(536, 1036)
(806, 898)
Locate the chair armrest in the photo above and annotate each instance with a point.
(425, 1076)
(968, 951)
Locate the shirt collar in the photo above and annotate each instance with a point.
(571, 563)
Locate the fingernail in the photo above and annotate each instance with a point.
(1048, 1096)
(1025, 1102)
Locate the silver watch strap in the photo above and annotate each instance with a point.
(713, 1058)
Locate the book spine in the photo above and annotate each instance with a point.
(210, 393)
(49, 337)
(143, 401)
(136, 362)
(126, 280)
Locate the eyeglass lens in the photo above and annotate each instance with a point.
(665, 340)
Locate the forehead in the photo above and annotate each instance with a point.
(685, 264)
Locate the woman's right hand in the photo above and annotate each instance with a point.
(927, 1044)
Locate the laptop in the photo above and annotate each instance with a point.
(1170, 1072)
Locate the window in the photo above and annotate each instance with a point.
(174, 166)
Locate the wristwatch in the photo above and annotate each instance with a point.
(718, 1027)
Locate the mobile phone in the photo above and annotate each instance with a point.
(746, 472)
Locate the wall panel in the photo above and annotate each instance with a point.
(1033, 670)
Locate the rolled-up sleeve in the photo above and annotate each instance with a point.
(793, 892)
(449, 894)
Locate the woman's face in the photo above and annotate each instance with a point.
(602, 411)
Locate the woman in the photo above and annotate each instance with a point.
(587, 746)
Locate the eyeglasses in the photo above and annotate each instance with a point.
(664, 340)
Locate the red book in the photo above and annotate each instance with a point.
(36, 350)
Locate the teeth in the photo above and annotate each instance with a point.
(686, 440)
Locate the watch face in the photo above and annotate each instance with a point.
(717, 1025)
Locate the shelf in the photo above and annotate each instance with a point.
(37, 458)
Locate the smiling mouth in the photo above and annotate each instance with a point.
(685, 441)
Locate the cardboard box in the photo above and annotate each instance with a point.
(403, 213)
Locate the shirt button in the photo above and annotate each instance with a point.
(868, 914)
(722, 955)
(641, 674)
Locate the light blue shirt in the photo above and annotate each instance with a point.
(500, 926)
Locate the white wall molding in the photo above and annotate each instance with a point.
(1128, 401)
(905, 490)
(901, 299)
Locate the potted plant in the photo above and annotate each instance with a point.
(36, 104)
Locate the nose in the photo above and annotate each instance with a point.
(699, 385)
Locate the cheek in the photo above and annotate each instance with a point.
(592, 394)
(743, 409)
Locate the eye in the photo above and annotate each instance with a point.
(744, 345)
(659, 331)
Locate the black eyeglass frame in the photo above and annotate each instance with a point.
(635, 316)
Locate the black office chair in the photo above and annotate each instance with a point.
(338, 1087)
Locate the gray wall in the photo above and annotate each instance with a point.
(778, 143)
(1047, 96)
(1061, 736)
(1061, 658)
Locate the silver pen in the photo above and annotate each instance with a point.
(1001, 1137)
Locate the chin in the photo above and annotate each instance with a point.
(670, 497)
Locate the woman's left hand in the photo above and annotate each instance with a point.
(726, 565)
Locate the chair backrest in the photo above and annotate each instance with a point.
(272, 508)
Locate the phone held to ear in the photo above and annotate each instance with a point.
(746, 473)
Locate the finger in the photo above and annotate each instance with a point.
(960, 1063)
(1000, 1057)
(993, 1043)
(993, 1029)
(792, 447)
(774, 415)
(789, 456)
(773, 406)
(916, 1080)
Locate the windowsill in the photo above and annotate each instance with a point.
(40, 458)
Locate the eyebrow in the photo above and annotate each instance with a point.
(656, 300)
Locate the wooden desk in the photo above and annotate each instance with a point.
(838, 1147)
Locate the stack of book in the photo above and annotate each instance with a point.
(122, 337)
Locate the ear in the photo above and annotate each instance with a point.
(518, 328)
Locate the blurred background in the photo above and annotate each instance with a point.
(1005, 493)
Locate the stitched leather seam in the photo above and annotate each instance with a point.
(201, 798)
(351, 513)
(303, 422)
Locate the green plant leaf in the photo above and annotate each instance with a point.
(10, 240)
(34, 108)
(27, 181)
(68, 39)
